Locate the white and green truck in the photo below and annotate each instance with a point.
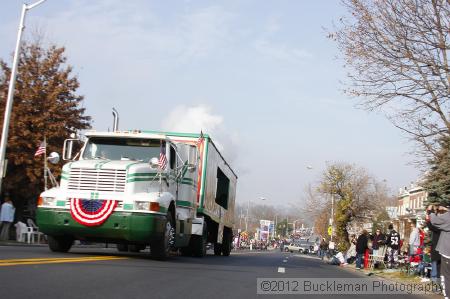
(169, 191)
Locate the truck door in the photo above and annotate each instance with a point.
(187, 178)
(184, 174)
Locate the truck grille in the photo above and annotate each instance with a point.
(112, 180)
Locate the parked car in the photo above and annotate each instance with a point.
(296, 247)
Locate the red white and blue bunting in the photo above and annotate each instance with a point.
(90, 212)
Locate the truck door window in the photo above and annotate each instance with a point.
(223, 185)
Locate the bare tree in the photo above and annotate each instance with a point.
(397, 52)
(357, 195)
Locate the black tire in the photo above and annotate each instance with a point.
(160, 249)
(286, 249)
(60, 244)
(198, 243)
(226, 242)
(186, 251)
(217, 249)
(122, 247)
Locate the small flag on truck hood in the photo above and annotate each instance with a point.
(41, 149)
(162, 157)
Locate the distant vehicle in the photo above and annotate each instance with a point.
(297, 247)
(309, 246)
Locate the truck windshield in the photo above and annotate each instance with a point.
(122, 148)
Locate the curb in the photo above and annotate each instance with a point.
(21, 244)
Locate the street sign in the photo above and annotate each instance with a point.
(330, 230)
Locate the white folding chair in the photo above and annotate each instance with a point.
(378, 259)
(33, 230)
(21, 229)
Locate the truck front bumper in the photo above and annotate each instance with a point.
(119, 227)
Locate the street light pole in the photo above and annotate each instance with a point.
(12, 83)
(332, 218)
(246, 218)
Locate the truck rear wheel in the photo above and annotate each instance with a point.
(186, 251)
(122, 247)
(160, 249)
(198, 243)
(217, 249)
(60, 243)
(226, 242)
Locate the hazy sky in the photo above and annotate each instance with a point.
(260, 76)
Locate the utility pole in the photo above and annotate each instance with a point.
(11, 88)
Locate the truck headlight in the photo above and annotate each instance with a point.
(142, 205)
(48, 201)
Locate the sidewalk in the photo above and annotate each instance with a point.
(390, 275)
(23, 244)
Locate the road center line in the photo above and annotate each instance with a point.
(38, 261)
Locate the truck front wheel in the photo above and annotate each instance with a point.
(217, 249)
(160, 249)
(60, 243)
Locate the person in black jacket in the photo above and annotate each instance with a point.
(435, 256)
(361, 246)
(323, 247)
(378, 240)
(393, 246)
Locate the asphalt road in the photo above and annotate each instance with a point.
(35, 272)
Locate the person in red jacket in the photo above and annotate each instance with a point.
(361, 246)
(417, 256)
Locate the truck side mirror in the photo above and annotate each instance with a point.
(67, 149)
(154, 163)
(53, 158)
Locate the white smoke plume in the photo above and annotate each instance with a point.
(201, 118)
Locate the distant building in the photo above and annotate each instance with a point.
(410, 205)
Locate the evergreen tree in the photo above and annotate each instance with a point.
(45, 105)
(437, 180)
